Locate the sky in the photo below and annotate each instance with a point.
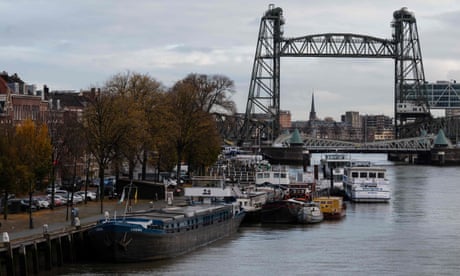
(75, 45)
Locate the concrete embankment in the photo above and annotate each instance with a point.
(54, 240)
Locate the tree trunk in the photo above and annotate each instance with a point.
(101, 186)
(144, 164)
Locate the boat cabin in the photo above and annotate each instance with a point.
(276, 176)
(361, 174)
(331, 206)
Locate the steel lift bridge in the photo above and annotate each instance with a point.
(417, 145)
(263, 105)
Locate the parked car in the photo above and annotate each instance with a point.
(58, 200)
(25, 205)
(89, 195)
(14, 206)
(42, 203)
(76, 198)
(62, 193)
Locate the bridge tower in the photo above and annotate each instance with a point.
(410, 98)
(261, 119)
(263, 105)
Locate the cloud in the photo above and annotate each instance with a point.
(81, 43)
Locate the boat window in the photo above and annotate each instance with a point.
(381, 175)
(354, 174)
(363, 175)
(266, 175)
(276, 175)
(283, 175)
(372, 175)
(260, 175)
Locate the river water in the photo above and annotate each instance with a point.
(417, 233)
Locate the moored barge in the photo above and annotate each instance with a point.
(167, 232)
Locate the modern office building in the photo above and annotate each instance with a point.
(444, 94)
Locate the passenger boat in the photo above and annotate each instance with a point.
(332, 207)
(332, 167)
(366, 183)
(274, 175)
(167, 232)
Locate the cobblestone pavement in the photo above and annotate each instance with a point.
(18, 225)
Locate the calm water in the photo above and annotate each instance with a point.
(417, 233)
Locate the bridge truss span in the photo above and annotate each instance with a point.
(408, 145)
(338, 45)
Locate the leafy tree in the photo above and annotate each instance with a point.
(206, 146)
(212, 92)
(72, 147)
(34, 149)
(8, 165)
(141, 94)
(192, 122)
(106, 125)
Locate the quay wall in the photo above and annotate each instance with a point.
(437, 156)
(444, 156)
(41, 253)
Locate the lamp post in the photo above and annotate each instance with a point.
(156, 155)
(88, 163)
(31, 222)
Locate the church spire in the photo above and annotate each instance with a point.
(312, 110)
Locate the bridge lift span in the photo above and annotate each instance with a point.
(263, 104)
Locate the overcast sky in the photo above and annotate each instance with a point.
(73, 45)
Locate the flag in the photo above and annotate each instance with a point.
(122, 197)
(135, 197)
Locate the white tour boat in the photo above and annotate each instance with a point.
(365, 183)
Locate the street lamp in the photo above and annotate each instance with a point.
(31, 222)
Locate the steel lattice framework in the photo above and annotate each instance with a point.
(263, 105)
(337, 45)
(408, 145)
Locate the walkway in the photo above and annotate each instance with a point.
(17, 225)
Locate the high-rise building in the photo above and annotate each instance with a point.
(352, 119)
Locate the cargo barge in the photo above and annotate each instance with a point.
(167, 232)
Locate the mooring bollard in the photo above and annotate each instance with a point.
(5, 237)
(77, 222)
